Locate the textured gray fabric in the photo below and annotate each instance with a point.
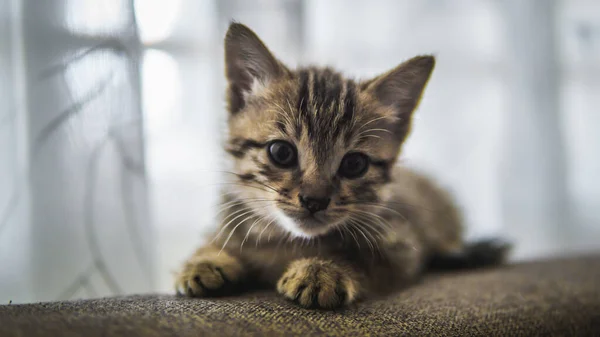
(548, 298)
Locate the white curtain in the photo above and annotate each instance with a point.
(508, 123)
(73, 203)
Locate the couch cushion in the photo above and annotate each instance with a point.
(558, 298)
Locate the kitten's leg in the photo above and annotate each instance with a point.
(322, 282)
(319, 283)
(209, 272)
(404, 257)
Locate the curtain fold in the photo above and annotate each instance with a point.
(87, 229)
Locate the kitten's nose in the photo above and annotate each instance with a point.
(314, 205)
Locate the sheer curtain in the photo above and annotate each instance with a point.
(74, 219)
(508, 123)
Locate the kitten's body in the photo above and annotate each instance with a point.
(315, 226)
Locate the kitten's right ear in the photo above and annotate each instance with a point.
(249, 65)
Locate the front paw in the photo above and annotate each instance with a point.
(314, 283)
(209, 275)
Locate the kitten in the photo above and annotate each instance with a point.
(317, 207)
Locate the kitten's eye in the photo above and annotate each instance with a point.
(354, 165)
(282, 154)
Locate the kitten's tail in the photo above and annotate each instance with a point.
(478, 254)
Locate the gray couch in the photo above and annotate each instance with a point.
(559, 297)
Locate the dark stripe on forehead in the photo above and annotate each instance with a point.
(282, 126)
(327, 88)
(239, 146)
(348, 106)
(302, 104)
(326, 105)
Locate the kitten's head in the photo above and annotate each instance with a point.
(313, 149)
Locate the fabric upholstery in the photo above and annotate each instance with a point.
(547, 298)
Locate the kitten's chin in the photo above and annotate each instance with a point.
(306, 226)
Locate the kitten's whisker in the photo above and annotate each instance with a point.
(260, 218)
(383, 225)
(370, 223)
(225, 205)
(248, 184)
(375, 129)
(372, 136)
(238, 184)
(361, 203)
(353, 223)
(238, 176)
(376, 217)
(319, 245)
(286, 203)
(369, 226)
(233, 230)
(337, 228)
(227, 225)
(263, 230)
(375, 237)
(283, 237)
(383, 207)
(232, 196)
(294, 243)
(230, 205)
(269, 237)
(372, 121)
(372, 226)
(247, 207)
(413, 206)
(351, 233)
(267, 186)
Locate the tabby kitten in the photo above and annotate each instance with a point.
(317, 206)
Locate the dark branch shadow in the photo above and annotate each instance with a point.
(113, 45)
(90, 232)
(128, 167)
(77, 284)
(74, 109)
(126, 160)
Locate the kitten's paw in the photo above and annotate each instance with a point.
(209, 275)
(315, 283)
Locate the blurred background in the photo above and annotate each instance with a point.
(111, 118)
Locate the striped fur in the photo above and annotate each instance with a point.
(378, 228)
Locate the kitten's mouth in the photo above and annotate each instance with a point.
(311, 221)
(305, 224)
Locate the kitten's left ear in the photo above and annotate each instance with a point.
(402, 87)
(248, 65)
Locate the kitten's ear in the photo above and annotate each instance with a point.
(402, 87)
(249, 65)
